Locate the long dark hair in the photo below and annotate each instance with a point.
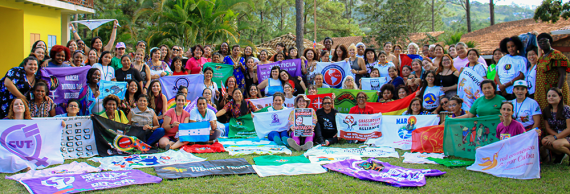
(103, 55)
(425, 84)
(173, 68)
(547, 113)
(344, 53)
(410, 111)
(137, 93)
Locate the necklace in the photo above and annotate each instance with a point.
(517, 108)
(33, 81)
(178, 118)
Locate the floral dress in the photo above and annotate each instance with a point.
(547, 77)
(41, 110)
(238, 73)
(18, 77)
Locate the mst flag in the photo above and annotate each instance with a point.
(194, 132)
(221, 71)
(396, 107)
(397, 130)
(515, 157)
(242, 127)
(346, 99)
(114, 138)
(469, 88)
(334, 73)
(194, 83)
(266, 122)
(462, 136)
(359, 127)
(428, 139)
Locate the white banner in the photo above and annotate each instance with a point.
(334, 73)
(268, 101)
(359, 127)
(360, 152)
(373, 83)
(397, 130)
(92, 24)
(260, 150)
(29, 143)
(331, 159)
(469, 87)
(515, 157)
(289, 169)
(266, 122)
(77, 139)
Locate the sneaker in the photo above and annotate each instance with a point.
(308, 145)
(277, 140)
(167, 147)
(293, 144)
(284, 141)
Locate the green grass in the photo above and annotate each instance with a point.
(456, 180)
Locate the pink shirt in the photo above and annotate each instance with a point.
(514, 128)
(175, 118)
(194, 66)
(458, 63)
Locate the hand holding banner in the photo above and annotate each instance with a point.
(359, 127)
(303, 124)
(469, 88)
(292, 66)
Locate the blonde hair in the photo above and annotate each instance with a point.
(352, 46)
(344, 86)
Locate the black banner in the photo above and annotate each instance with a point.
(206, 168)
(113, 138)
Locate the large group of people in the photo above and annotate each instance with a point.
(526, 87)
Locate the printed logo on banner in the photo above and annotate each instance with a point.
(182, 81)
(491, 162)
(371, 166)
(26, 142)
(345, 96)
(174, 169)
(375, 84)
(405, 132)
(317, 103)
(275, 119)
(350, 122)
(114, 90)
(59, 182)
(333, 75)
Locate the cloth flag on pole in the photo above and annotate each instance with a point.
(334, 73)
(111, 87)
(516, 157)
(397, 130)
(469, 88)
(194, 83)
(396, 107)
(114, 138)
(463, 136)
(262, 102)
(64, 82)
(194, 132)
(221, 71)
(92, 24)
(289, 169)
(373, 83)
(77, 137)
(29, 143)
(266, 122)
(346, 98)
(292, 66)
(242, 127)
(428, 139)
(359, 127)
(146, 160)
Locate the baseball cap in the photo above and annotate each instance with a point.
(120, 45)
(521, 83)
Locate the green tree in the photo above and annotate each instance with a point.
(552, 10)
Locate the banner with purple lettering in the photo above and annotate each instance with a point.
(293, 66)
(29, 143)
(64, 82)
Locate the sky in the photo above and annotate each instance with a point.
(509, 2)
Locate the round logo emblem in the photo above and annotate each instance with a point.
(508, 66)
(181, 82)
(429, 98)
(333, 75)
(317, 102)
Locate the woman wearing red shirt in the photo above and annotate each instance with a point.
(361, 107)
(194, 64)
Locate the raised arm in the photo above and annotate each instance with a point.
(109, 46)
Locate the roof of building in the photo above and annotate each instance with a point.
(418, 38)
(289, 41)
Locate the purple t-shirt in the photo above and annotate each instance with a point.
(512, 129)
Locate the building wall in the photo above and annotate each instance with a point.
(12, 38)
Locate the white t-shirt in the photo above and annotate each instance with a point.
(530, 78)
(510, 67)
(479, 69)
(383, 69)
(107, 72)
(196, 116)
(419, 158)
(431, 97)
(458, 63)
(289, 102)
(525, 110)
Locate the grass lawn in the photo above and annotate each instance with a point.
(457, 180)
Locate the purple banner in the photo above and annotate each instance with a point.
(75, 183)
(65, 82)
(293, 66)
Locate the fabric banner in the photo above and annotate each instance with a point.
(279, 160)
(376, 170)
(428, 139)
(77, 183)
(397, 130)
(359, 127)
(114, 138)
(262, 102)
(396, 107)
(29, 143)
(266, 122)
(198, 148)
(330, 159)
(462, 136)
(189, 105)
(317, 100)
(293, 66)
(373, 83)
(221, 71)
(118, 89)
(77, 138)
(94, 23)
(71, 168)
(303, 126)
(516, 157)
(259, 150)
(334, 73)
(289, 169)
(345, 99)
(194, 83)
(146, 160)
(242, 127)
(64, 82)
(194, 132)
(421, 158)
(205, 168)
(383, 152)
(451, 162)
(244, 142)
(469, 88)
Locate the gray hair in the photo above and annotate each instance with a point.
(462, 44)
(415, 46)
(431, 46)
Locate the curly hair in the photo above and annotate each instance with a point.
(27, 113)
(111, 97)
(58, 48)
(516, 40)
(315, 54)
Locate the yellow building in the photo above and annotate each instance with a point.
(25, 21)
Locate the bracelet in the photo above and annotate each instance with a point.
(555, 138)
(74, 31)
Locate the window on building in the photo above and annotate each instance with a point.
(52, 40)
(33, 38)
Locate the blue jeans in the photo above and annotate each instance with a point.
(155, 136)
(279, 134)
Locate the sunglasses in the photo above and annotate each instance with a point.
(176, 49)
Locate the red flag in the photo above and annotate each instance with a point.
(223, 89)
(317, 100)
(428, 139)
(405, 60)
(396, 107)
(198, 148)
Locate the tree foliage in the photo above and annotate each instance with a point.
(552, 10)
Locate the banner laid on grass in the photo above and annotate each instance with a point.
(71, 168)
(114, 138)
(360, 152)
(334, 73)
(266, 122)
(463, 136)
(428, 139)
(359, 127)
(205, 168)
(397, 130)
(346, 99)
(204, 148)
(194, 83)
(270, 160)
(259, 150)
(289, 169)
(292, 66)
(242, 127)
(469, 88)
(146, 160)
(421, 158)
(330, 159)
(77, 138)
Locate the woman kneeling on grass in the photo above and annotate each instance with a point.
(202, 114)
(172, 119)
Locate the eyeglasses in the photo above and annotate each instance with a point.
(327, 103)
(176, 49)
(73, 106)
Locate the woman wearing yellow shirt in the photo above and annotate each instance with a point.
(111, 103)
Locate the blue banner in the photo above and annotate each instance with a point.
(194, 132)
(111, 87)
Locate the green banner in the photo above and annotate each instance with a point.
(346, 98)
(463, 136)
(221, 72)
(242, 127)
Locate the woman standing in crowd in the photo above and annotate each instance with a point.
(126, 73)
(511, 67)
(402, 92)
(40, 54)
(273, 83)
(387, 91)
(165, 54)
(177, 67)
(107, 72)
(89, 94)
(157, 67)
(312, 90)
(361, 106)
(508, 127)
(395, 80)
(383, 65)
(194, 65)
(292, 53)
(526, 110)
(325, 56)
(301, 101)
(111, 112)
(96, 42)
(556, 118)
(414, 51)
(551, 71)
(455, 106)
(413, 83)
(492, 70)
(18, 83)
(238, 63)
(77, 59)
(279, 56)
(209, 83)
(438, 54)
(141, 45)
(263, 58)
(357, 64)
(406, 71)
(397, 49)
(349, 83)
(447, 76)
(319, 81)
(172, 119)
(248, 53)
(142, 116)
(340, 53)
(157, 99)
(417, 70)
(370, 59)
(208, 53)
(479, 68)
(238, 106)
(416, 108)
(327, 123)
(92, 58)
(443, 104)
(143, 69)
(296, 82)
(461, 60)
(288, 94)
(39, 106)
(207, 93)
(225, 49)
(279, 137)
(311, 68)
(253, 92)
(452, 51)
(251, 75)
(72, 109)
(530, 76)
(430, 93)
(59, 56)
(230, 87)
(489, 105)
(388, 50)
(131, 96)
(427, 65)
(18, 110)
(217, 58)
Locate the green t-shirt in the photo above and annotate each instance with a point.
(279, 160)
(483, 106)
(116, 63)
(491, 71)
(451, 162)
